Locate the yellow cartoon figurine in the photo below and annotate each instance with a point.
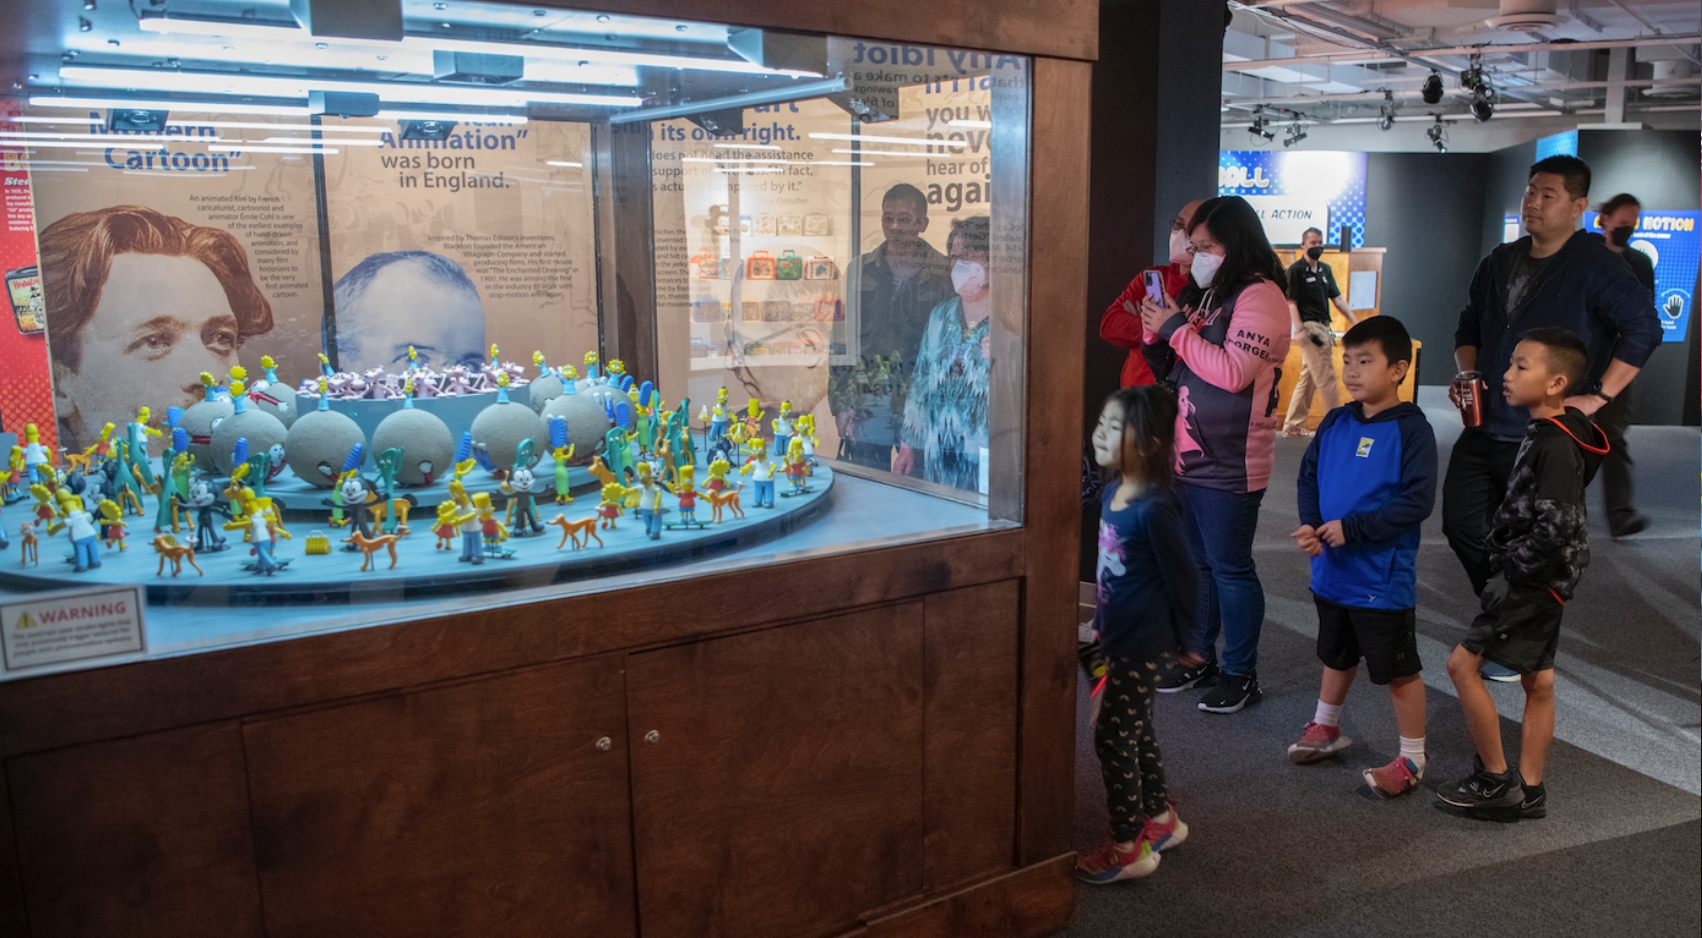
(686, 491)
(445, 526)
(796, 469)
(617, 368)
(494, 531)
(111, 523)
(591, 365)
(807, 433)
(614, 501)
(38, 457)
(760, 468)
(46, 508)
(784, 427)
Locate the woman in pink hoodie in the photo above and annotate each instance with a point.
(1221, 342)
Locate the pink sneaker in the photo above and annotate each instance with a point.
(1395, 779)
(1114, 862)
(1169, 834)
(1317, 742)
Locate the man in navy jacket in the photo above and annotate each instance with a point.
(1556, 276)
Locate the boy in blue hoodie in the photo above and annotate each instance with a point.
(1368, 481)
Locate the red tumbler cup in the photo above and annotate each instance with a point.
(1469, 388)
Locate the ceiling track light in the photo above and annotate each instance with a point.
(1386, 115)
(1438, 134)
(1432, 90)
(1296, 133)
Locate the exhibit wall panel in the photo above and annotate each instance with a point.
(1425, 209)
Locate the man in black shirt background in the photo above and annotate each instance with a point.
(1311, 290)
(1617, 219)
(892, 291)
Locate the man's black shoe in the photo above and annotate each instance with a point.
(1535, 803)
(1231, 694)
(1180, 678)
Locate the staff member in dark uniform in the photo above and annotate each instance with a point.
(1617, 220)
(1311, 290)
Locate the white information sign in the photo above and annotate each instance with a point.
(1286, 217)
(78, 625)
(1362, 290)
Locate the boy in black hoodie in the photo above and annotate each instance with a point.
(1538, 549)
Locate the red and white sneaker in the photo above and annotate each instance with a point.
(1115, 862)
(1167, 835)
(1317, 742)
(1395, 779)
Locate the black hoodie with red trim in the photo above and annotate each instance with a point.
(1538, 537)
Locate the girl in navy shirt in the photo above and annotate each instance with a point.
(1147, 594)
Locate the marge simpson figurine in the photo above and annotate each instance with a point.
(560, 451)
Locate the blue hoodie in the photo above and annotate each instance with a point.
(1584, 287)
(1378, 476)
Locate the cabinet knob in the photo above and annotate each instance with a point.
(605, 744)
(653, 737)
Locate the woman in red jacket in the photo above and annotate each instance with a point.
(1121, 323)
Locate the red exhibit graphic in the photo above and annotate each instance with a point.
(26, 384)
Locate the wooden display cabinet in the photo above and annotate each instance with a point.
(874, 743)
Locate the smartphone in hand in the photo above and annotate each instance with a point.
(1154, 286)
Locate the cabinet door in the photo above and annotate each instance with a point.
(484, 808)
(777, 776)
(138, 837)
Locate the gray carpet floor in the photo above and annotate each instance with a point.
(1284, 850)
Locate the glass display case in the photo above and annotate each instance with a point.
(487, 306)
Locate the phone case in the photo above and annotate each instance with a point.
(789, 266)
(820, 268)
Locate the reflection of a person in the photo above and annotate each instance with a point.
(182, 301)
(389, 302)
(898, 285)
(945, 413)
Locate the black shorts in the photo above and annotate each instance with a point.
(1519, 631)
(1386, 638)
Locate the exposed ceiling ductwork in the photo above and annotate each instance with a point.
(1526, 16)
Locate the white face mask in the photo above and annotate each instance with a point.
(968, 277)
(1205, 268)
(1179, 247)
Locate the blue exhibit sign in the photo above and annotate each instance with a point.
(1293, 190)
(1561, 144)
(1672, 240)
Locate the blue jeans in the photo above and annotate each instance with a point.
(764, 493)
(473, 546)
(87, 550)
(1220, 527)
(652, 522)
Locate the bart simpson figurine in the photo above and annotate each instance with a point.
(796, 469)
(12, 477)
(494, 531)
(686, 492)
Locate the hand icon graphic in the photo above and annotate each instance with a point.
(1674, 305)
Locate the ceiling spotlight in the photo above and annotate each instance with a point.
(1296, 133)
(1483, 93)
(1386, 118)
(1433, 88)
(1438, 134)
(1257, 128)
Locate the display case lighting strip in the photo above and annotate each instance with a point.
(567, 163)
(245, 148)
(814, 89)
(277, 86)
(286, 31)
(157, 104)
(892, 153)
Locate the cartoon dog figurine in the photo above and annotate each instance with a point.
(170, 550)
(581, 532)
(371, 545)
